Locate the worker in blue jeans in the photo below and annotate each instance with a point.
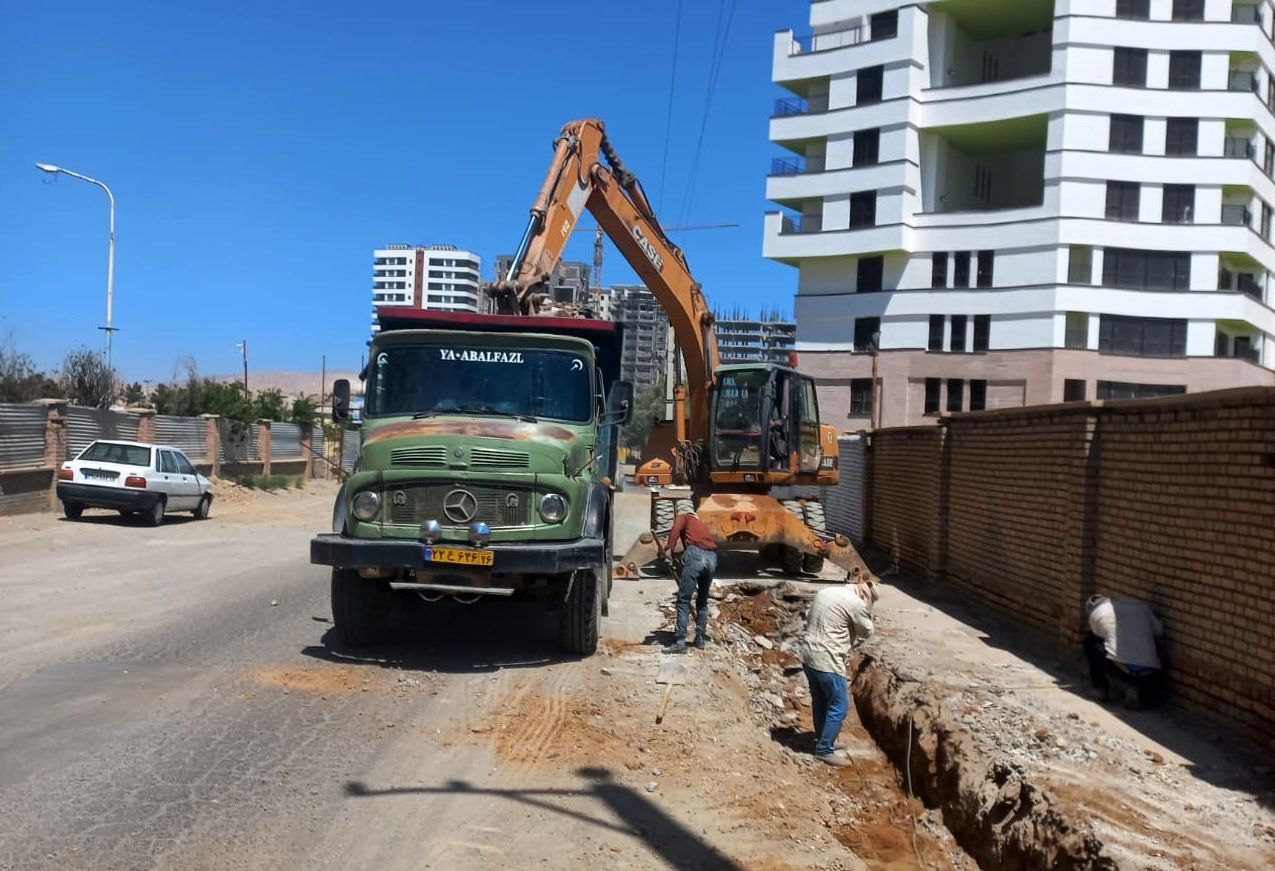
(839, 618)
(699, 563)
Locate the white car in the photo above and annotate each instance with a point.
(133, 478)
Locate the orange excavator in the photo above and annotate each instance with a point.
(738, 430)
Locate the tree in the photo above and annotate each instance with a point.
(20, 380)
(269, 404)
(87, 380)
(648, 407)
(305, 409)
(134, 395)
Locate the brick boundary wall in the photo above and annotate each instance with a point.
(1031, 510)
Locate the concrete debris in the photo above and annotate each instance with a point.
(763, 641)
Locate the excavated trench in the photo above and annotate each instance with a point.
(981, 800)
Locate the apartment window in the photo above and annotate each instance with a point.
(1268, 159)
(1127, 390)
(1129, 67)
(1184, 70)
(955, 394)
(867, 334)
(958, 332)
(860, 397)
(1074, 389)
(1266, 221)
(1179, 204)
(1140, 9)
(1188, 10)
(936, 332)
(870, 271)
(938, 269)
(867, 88)
(1080, 264)
(961, 270)
(1077, 334)
(1182, 136)
(1146, 270)
(986, 261)
(933, 387)
(1142, 337)
(884, 25)
(1126, 134)
(982, 332)
(867, 147)
(1122, 200)
(978, 395)
(863, 209)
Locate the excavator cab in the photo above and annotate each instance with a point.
(765, 425)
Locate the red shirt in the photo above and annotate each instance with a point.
(690, 530)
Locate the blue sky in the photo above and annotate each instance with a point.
(259, 151)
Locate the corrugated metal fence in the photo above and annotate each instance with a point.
(349, 449)
(285, 441)
(184, 433)
(22, 435)
(86, 425)
(316, 443)
(240, 448)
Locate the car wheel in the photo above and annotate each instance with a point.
(360, 608)
(155, 514)
(72, 510)
(201, 510)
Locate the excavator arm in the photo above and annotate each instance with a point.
(586, 173)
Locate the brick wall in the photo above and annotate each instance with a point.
(1170, 500)
(904, 512)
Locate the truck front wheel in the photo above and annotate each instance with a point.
(360, 608)
(580, 618)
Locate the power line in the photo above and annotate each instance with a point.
(668, 115)
(718, 57)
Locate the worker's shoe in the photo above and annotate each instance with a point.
(700, 642)
(835, 759)
(676, 647)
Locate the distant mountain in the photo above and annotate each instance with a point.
(293, 383)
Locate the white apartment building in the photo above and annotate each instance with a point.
(440, 277)
(1017, 202)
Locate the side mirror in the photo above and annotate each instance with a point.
(341, 399)
(620, 403)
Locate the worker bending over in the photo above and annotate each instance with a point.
(1121, 644)
(839, 618)
(699, 562)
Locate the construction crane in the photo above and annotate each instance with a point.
(738, 430)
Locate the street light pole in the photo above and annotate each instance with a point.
(110, 248)
(243, 349)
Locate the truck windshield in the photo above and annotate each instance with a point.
(437, 379)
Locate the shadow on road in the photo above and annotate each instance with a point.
(641, 818)
(116, 519)
(453, 638)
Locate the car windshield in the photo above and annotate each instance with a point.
(125, 455)
(433, 379)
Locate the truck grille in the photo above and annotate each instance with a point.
(434, 456)
(413, 504)
(495, 458)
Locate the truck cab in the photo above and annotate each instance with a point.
(486, 462)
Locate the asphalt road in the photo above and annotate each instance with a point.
(172, 698)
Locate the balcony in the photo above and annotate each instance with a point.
(1242, 81)
(787, 166)
(797, 224)
(1237, 216)
(1245, 14)
(1238, 147)
(786, 106)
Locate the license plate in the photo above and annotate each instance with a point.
(99, 474)
(460, 556)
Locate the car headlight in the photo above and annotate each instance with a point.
(553, 508)
(366, 504)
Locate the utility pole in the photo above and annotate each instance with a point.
(323, 380)
(243, 350)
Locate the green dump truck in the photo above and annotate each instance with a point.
(485, 469)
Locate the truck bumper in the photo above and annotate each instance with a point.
(541, 558)
(94, 496)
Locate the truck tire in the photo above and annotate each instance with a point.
(72, 510)
(793, 559)
(154, 515)
(580, 618)
(816, 520)
(360, 608)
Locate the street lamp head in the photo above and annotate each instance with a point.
(48, 167)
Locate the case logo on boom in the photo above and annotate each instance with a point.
(647, 248)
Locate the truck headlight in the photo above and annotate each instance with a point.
(366, 504)
(553, 508)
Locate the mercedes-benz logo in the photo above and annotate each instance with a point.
(460, 506)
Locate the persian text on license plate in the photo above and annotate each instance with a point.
(459, 556)
(100, 475)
